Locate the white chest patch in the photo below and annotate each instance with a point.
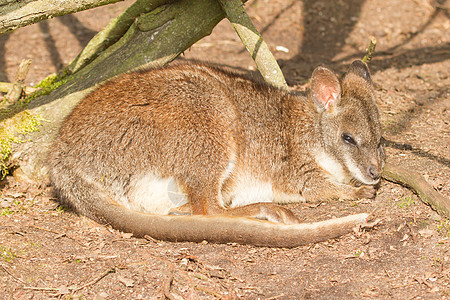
(153, 194)
(332, 167)
(248, 190)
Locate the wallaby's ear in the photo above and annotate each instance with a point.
(325, 89)
(360, 68)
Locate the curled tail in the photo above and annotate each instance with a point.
(226, 229)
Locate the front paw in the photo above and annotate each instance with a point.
(365, 192)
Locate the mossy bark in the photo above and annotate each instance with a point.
(113, 32)
(153, 38)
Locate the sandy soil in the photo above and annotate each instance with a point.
(47, 252)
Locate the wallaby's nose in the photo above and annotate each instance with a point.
(374, 172)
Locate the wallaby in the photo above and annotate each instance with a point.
(219, 150)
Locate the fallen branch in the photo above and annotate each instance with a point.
(418, 185)
(253, 41)
(43, 289)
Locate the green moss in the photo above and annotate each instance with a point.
(406, 202)
(16, 120)
(6, 212)
(47, 81)
(47, 85)
(444, 228)
(7, 254)
(10, 131)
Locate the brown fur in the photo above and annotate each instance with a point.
(215, 132)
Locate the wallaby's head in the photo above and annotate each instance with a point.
(348, 125)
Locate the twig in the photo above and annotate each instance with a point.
(208, 291)
(45, 289)
(276, 297)
(72, 289)
(13, 277)
(424, 282)
(172, 267)
(253, 41)
(370, 51)
(167, 286)
(15, 92)
(109, 271)
(59, 234)
(411, 231)
(370, 225)
(45, 229)
(418, 185)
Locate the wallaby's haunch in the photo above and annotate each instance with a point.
(219, 149)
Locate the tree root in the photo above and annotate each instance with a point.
(418, 185)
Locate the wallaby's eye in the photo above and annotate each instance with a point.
(381, 143)
(348, 139)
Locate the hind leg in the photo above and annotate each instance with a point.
(205, 198)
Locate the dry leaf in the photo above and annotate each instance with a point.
(126, 235)
(426, 233)
(63, 290)
(126, 281)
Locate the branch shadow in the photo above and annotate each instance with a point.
(3, 75)
(277, 16)
(327, 24)
(55, 57)
(417, 151)
(395, 57)
(82, 33)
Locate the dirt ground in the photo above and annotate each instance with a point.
(47, 252)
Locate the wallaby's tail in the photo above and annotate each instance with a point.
(226, 229)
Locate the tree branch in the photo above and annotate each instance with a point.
(116, 28)
(15, 13)
(253, 41)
